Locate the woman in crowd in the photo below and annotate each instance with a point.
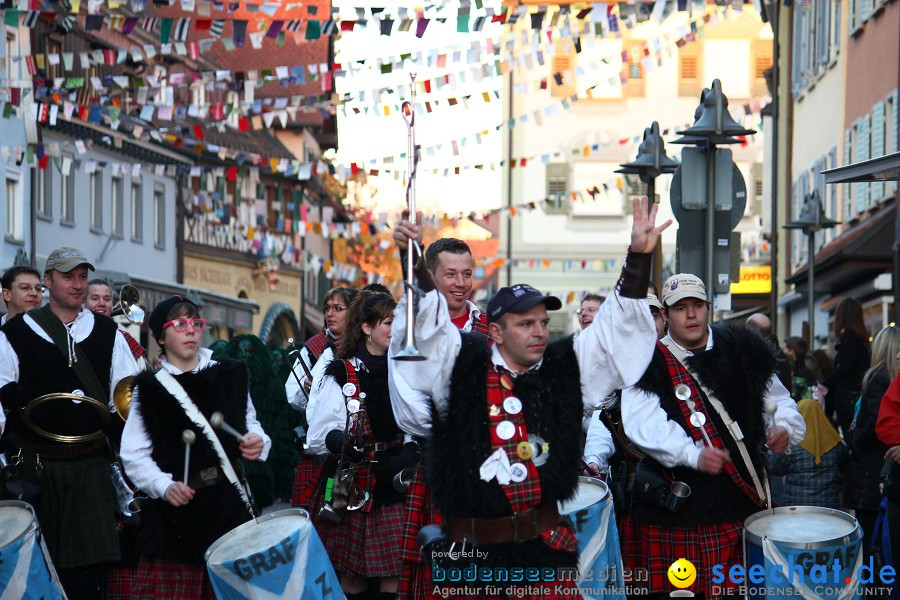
(866, 451)
(851, 360)
(812, 467)
(365, 542)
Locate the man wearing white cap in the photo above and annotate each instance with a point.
(702, 413)
(64, 348)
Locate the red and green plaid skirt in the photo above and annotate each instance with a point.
(172, 580)
(415, 578)
(364, 544)
(120, 583)
(703, 545)
(306, 479)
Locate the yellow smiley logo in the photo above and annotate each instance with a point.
(682, 573)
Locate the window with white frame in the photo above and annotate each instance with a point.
(67, 192)
(44, 192)
(15, 212)
(159, 216)
(117, 206)
(96, 195)
(137, 210)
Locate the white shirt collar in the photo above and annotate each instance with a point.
(474, 313)
(709, 342)
(499, 361)
(206, 360)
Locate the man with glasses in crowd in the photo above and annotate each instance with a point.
(22, 291)
(64, 348)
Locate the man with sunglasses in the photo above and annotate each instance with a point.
(64, 348)
(187, 511)
(22, 291)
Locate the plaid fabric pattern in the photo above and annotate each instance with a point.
(480, 325)
(316, 345)
(365, 543)
(77, 511)
(415, 578)
(704, 545)
(365, 477)
(306, 480)
(524, 494)
(629, 542)
(680, 375)
(172, 580)
(137, 351)
(120, 583)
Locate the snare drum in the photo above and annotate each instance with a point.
(278, 555)
(798, 539)
(590, 511)
(25, 568)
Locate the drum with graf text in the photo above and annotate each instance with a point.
(278, 555)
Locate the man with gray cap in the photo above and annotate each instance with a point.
(503, 419)
(65, 348)
(703, 413)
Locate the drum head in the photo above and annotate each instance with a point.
(66, 418)
(257, 535)
(16, 519)
(590, 491)
(801, 526)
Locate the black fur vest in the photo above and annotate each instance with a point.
(184, 533)
(552, 405)
(44, 369)
(737, 369)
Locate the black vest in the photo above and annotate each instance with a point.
(553, 409)
(185, 533)
(737, 369)
(44, 369)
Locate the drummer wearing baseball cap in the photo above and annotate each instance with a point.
(702, 413)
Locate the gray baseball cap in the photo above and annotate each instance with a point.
(65, 259)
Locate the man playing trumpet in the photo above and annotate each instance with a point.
(501, 418)
(196, 501)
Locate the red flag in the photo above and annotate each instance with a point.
(244, 124)
(232, 174)
(198, 132)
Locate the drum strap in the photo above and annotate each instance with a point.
(193, 413)
(734, 429)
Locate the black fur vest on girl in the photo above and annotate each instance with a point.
(184, 533)
(461, 441)
(737, 369)
(384, 429)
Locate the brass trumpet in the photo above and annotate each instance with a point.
(409, 350)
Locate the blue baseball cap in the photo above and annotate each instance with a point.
(518, 298)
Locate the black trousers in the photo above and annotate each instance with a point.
(84, 583)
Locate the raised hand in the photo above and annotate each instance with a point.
(644, 233)
(405, 231)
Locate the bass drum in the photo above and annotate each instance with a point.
(26, 571)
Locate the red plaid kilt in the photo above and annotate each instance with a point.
(172, 580)
(306, 478)
(703, 545)
(120, 582)
(629, 542)
(365, 544)
(415, 578)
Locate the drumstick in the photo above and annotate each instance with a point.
(189, 438)
(217, 420)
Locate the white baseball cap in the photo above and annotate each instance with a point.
(654, 301)
(681, 286)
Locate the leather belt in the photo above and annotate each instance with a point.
(380, 446)
(206, 477)
(56, 451)
(519, 527)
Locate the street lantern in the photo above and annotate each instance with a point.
(651, 162)
(713, 125)
(811, 220)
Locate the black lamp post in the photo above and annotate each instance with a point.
(811, 220)
(713, 125)
(651, 162)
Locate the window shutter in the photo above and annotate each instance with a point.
(836, 28)
(848, 153)
(822, 30)
(877, 189)
(893, 118)
(851, 20)
(862, 153)
(864, 10)
(832, 205)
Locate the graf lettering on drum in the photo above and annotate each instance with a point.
(265, 561)
(578, 519)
